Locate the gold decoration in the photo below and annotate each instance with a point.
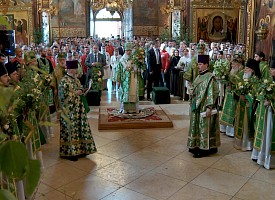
(217, 6)
(169, 8)
(25, 9)
(262, 31)
(110, 5)
(249, 28)
(47, 6)
(5, 6)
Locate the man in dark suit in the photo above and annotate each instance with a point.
(154, 67)
(94, 59)
(121, 48)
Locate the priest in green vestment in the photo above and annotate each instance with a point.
(128, 76)
(204, 134)
(264, 143)
(192, 69)
(229, 106)
(243, 126)
(76, 138)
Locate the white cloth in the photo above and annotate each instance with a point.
(114, 63)
(107, 69)
(183, 60)
(263, 156)
(229, 131)
(222, 128)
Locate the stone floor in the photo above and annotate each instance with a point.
(152, 164)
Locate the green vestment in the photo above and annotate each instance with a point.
(58, 74)
(129, 77)
(75, 133)
(204, 131)
(192, 70)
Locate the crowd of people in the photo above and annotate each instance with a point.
(228, 94)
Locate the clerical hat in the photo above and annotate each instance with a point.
(128, 46)
(203, 59)
(3, 69)
(29, 57)
(61, 55)
(10, 68)
(72, 64)
(255, 65)
(260, 54)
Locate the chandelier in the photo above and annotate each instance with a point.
(111, 5)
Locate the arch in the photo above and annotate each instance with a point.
(106, 24)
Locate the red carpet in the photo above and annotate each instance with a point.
(149, 117)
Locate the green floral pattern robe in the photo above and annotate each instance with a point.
(75, 133)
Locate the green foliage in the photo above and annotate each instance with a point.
(138, 57)
(165, 34)
(247, 86)
(96, 77)
(32, 176)
(14, 162)
(221, 70)
(183, 35)
(266, 89)
(13, 159)
(6, 195)
(38, 35)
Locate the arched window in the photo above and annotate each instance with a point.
(105, 24)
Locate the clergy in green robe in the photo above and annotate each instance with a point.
(58, 74)
(264, 143)
(243, 126)
(228, 112)
(204, 135)
(264, 67)
(76, 138)
(128, 76)
(45, 65)
(192, 71)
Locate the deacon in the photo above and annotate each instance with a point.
(204, 135)
(264, 68)
(76, 138)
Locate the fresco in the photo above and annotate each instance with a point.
(71, 13)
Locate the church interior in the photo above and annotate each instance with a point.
(146, 160)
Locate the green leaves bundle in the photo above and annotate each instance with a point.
(221, 70)
(247, 86)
